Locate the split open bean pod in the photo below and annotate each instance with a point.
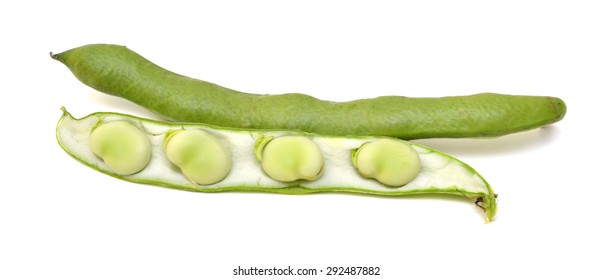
(206, 158)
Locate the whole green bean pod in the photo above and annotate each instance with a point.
(118, 71)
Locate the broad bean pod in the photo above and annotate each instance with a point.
(237, 159)
(118, 71)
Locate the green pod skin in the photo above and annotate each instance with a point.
(118, 71)
(439, 173)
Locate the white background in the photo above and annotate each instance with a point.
(62, 220)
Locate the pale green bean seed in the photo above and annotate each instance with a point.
(124, 148)
(391, 162)
(290, 158)
(202, 157)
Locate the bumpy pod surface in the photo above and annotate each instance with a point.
(438, 174)
(118, 71)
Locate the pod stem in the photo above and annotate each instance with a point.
(489, 205)
(54, 56)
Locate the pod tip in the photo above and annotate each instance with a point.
(560, 107)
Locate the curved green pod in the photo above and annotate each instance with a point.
(118, 71)
(438, 174)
